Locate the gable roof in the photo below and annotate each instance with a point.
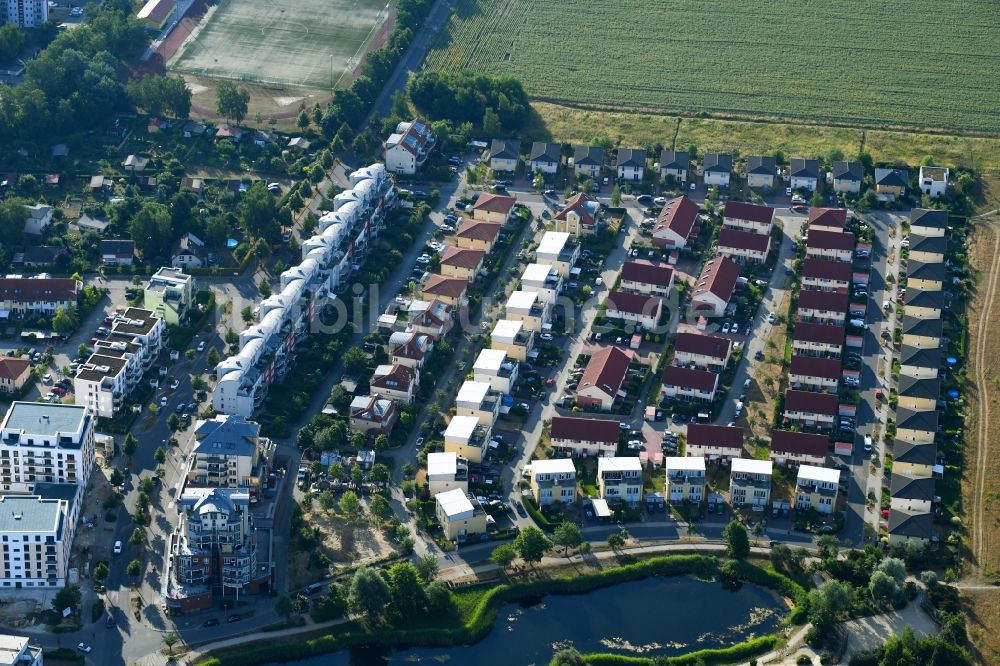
(479, 230)
(762, 165)
(633, 157)
(810, 402)
(923, 298)
(678, 215)
(588, 156)
(826, 301)
(637, 304)
(718, 277)
(739, 210)
(712, 346)
(12, 368)
(928, 388)
(717, 162)
(811, 366)
(922, 326)
(124, 248)
(393, 377)
(743, 240)
(42, 254)
(923, 420)
(691, 378)
(545, 152)
(802, 443)
(647, 272)
(494, 203)
(920, 357)
(819, 333)
(827, 269)
(803, 168)
(852, 171)
(927, 217)
(911, 524)
(38, 290)
(675, 159)
(703, 434)
(914, 453)
(506, 149)
(605, 371)
(583, 205)
(462, 257)
(892, 177)
(925, 270)
(933, 244)
(828, 217)
(821, 239)
(443, 285)
(594, 430)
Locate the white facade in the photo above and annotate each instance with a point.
(25, 13)
(620, 478)
(492, 366)
(750, 483)
(37, 534)
(446, 471)
(552, 480)
(543, 280)
(46, 443)
(557, 251)
(933, 181)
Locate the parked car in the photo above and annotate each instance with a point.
(211, 622)
(83, 647)
(201, 346)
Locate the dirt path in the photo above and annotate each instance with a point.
(866, 633)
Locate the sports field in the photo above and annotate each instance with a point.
(304, 43)
(904, 63)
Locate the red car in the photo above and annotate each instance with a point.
(879, 395)
(799, 208)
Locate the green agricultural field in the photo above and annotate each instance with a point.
(895, 63)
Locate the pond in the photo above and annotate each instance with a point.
(652, 617)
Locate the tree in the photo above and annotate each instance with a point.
(11, 41)
(65, 319)
(407, 592)
(826, 604)
(616, 541)
(283, 606)
(368, 595)
(427, 567)
(213, 357)
(130, 445)
(491, 124)
(531, 544)
(567, 535)
(173, 422)
(828, 546)
(257, 213)
(379, 506)
(379, 474)
(381, 443)
(233, 101)
(303, 121)
(327, 500)
(439, 599)
(152, 230)
(817, 200)
(68, 597)
(134, 570)
(170, 639)
(616, 196)
(101, 571)
(568, 657)
(355, 361)
(882, 587)
(231, 337)
(349, 503)
(247, 314)
(895, 567)
(160, 455)
(264, 287)
(503, 555)
(737, 541)
(137, 537)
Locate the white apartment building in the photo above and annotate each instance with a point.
(620, 478)
(552, 480)
(19, 651)
(407, 148)
(816, 488)
(526, 307)
(467, 437)
(45, 443)
(24, 13)
(750, 483)
(37, 532)
(685, 479)
(559, 250)
(513, 338)
(543, 280)
(492, 367)
(446, 470)
(478, 399)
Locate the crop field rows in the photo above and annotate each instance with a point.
(903, 63)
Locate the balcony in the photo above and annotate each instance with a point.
(752, 481)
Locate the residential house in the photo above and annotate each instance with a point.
(552, 480)
(927, 248)
(588, 161)
(543, 280)
(504, 155)
(88, 223)
(810, 339)
(798, 448)
(928, 222)
(911, 493)
(707, 352)
(922, 363)
(14, 373)
(916, 426)
(631, 164)
(468, 437)
(933, 181)
(458, 262)
(19, 650)
(513, 338)
(891, 184)
(46, 443)
(579, 216)
(824, 307)
(828, 219)
(493, 208)
(921, 304)
(826, 274)
(42, 256)
(816, 489)
(527, 307)
(815, 410)
(815, 374)
(492, 366)
(373, 416)
(559, 250)
(929, 276)
(750, 483)
(407, 148)
(190, 252)
(637, 309)
(449, 290)
(922, 333)
(714, 287)
(38, 295)
(97, 183)
(603, 379)
(583, 436)
(688, 384)
(544, 157)
(477, 235)
(639, 276)
(822, 244)
(155, 13)
(714, 442)
(169, 294)
(910, 527)
(675, 164)
(409, 349)
(847, 177)
(446, 470)
(675, 223)
(761, 171)
(914, 459)
(117, 252)
(685, 479)
(717, 169)
(620, 478)
(302, 144)
(38, 220)
(743, 246)
(42, 517)
(459, 514)
(804, 174)
(396, 382)
(478, 399)
(434, 318)
(229, 452)
(135, 163)
(748, 217)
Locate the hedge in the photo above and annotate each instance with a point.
(735, 653)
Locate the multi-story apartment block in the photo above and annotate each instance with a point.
(459, 514)
(229, 452)
(620, 478)
(45, 443)
(407, 148)
(685, 479)
(559, 250)
(19, 651)
(750, 483)
(103, 382)
(816, 489)
(478, 399)
(493, 367)
(37, 532)
(446, 470)
(24, 13)
(528, 308)
(543, 280)
(552, 480)
(468, 437)
(169, 294)
(38, 295)
(342, 240)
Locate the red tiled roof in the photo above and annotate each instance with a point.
(745, 211)
(678, 215)
(820, 239)
(462, 257)
(442, 285)
(12, 368)
(494, 203)
(829, 301)
(606, 371)
(719, 277)
(704, 345)
(400, 374)
(811, 402)
(578, 204)
(810, 366)
(744, 240)
(479, 230)
(700, 434)
(701, 380)
(828, 217)
(593, 430)
(38, 290)
(802, 443)
(827, 269)
(647, 272)
(821, 333)
(637, 304)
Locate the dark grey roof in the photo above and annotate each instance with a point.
(853, 171)
(911, 487)
(42, 254)
(117, 247)
(922, 326)
(926, 217)
(914, 453)
(892, 177)
(762, 165)
(911, 524)
(911, 419)
(588, 156)
(920, 357)
(545, 152)
(633, 157)
(675, 159)
(505, 149)
(915, 387)
(717, 162)
(802, 168)
(922, 243)
(921, 298)
(923, 270)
